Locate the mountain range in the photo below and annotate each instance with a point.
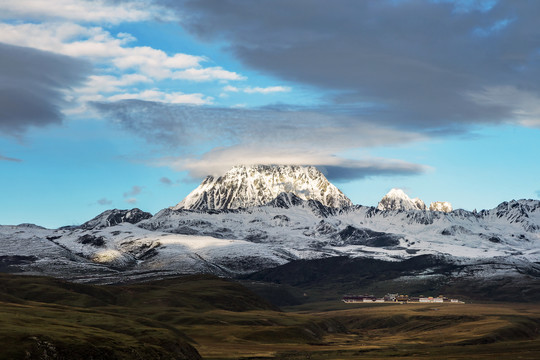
(258, 218)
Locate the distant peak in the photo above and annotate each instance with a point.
(443, 206)
(397, 199)
(397, 193)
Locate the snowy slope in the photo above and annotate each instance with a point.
(396, 199)
(218, 233)
(240, 241)
(248, 186)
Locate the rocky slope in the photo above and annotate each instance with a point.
(248, 186)
(115, 217)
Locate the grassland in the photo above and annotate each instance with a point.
(202, 316)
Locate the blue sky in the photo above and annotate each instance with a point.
(121, 104)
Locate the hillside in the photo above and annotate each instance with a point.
(65, 320)
(330, 278)
(198, 317)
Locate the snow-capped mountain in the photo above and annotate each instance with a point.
(443, 206)
(396, 199)
(216, 230)
(248, 186)
(114, 217)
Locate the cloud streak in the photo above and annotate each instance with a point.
(135, 190)
(166, 181)
(271, 135)
(104, 201)
(33, 85)
(257, 89)
(178, 125)
(5, 158)
(336, 168)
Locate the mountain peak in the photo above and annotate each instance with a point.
(396, 199)
(255, 185)
(443, 206)
(114, 216)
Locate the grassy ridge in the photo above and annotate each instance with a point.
(37, 331)
(194, 316)
(63, 320)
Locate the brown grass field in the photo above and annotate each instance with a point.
(413, 331)
(42, 318)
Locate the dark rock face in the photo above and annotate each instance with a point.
(97, 241)
(495, 239)
(455, 230)
(325, 228)
(283, 218)
(115, 217)
(286, 201)
(354, 236)
(319, 209)
(256, 236)
(9, 262)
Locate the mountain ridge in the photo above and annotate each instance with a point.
(132, 245)
(248, 186)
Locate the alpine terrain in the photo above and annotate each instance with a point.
(248, 186)
(259, 219)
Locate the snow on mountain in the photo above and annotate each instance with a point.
(236, 241)
(443, 206)
(257, 217)
(114, 217)
(396, 199)
(248, 186)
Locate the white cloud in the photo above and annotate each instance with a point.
(257, 90)
(122, 67)
(172, 98)
(217, 161)
(206, 74)
(99, 45)
(230, 88)
(109, 83)
(84, 11)
(266, 90)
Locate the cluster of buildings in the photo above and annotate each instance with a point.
(397, 298)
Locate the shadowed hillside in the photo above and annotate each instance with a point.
(330, 278)
(196, 317)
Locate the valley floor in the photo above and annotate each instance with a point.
(444, 331)
(206, 317)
